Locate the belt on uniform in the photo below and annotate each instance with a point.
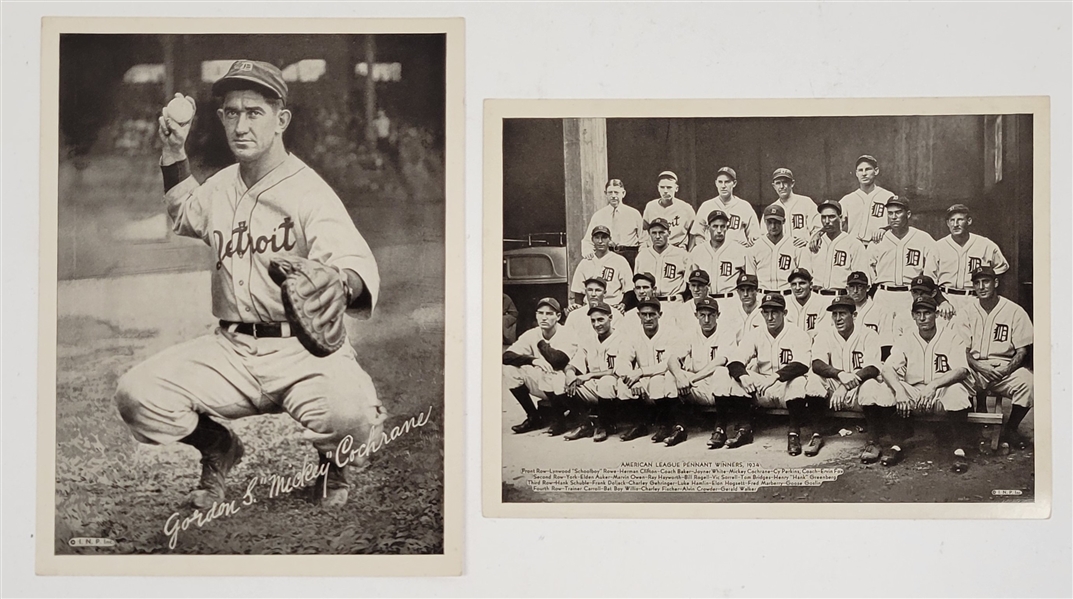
(786, 292)
(669, 298)
(721, 295)
(959, 291)
(626, 247)
(831, 291)
(258, 329)
(894, 287)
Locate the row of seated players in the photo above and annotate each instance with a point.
(645, 366)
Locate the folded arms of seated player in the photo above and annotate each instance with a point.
(851, 380)
(785, 374)
(928, 393)
(575, 378)
(685, 379)
(993, 374)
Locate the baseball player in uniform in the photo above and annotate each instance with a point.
(864, 210)
(805, 309)
(642, 364)
(590, 376)
(667, 262)
(700, 371)
(927, 371)
(678, 214)
(685, 315)
(771, 362)
(901, 254)
(268, 205)
(644, 287)
(577, 319)
(999, 335)
(867, 315)
(745, 313)
(845, 371)
(624, 222)
(800, 210)
(723, 261)
(534, 367)
(896, 324)
(837, 253)
(960, 253)
(742, 226)
(605, 265)
(774, 256)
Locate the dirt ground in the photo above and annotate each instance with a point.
(110, 486)
(924, 476)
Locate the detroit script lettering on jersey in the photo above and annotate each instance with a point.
(242, 241)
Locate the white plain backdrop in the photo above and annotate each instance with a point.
(623, 51)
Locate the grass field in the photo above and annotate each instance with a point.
(109, 486)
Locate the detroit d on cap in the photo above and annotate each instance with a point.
(550, 302)
(776, 212)
(773, 300)
(263, 75)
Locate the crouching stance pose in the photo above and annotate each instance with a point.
(927, 370)
(642, 364)
(845, 371)
(534, 366)
(591, 380)
(780, 356)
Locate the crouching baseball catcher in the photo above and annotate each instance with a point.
(271, 221)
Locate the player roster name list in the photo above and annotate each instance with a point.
(682, 477)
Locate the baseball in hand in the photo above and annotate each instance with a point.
(180, 110)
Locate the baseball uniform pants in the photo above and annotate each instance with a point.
(893, 302)
(541, 383)
(773, 393)
(704, 391)
(869, 393)
(230, 376)
(658, 387)
(1018, 385)
(952, 398)
(605, 387)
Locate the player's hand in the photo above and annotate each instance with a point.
(877, 236)
(746, 242)
(747, 383)
(814, 243)
(903, 406)
(849, 379)
(684, 385)
(173, 134)
(620, 308)
(334, 300)
(927, 393)
(988, 372)
(799, 242)
(631, 378)
(947, 310)
(573, 386)
(639, 392)
(589, 255)
(542, 364)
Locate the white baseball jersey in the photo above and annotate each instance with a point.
(997, 334)
(868, 315)
(743, 321)
(624, 223)
(956, 262)
(853, 354)
(679, 214)
(802, 216)
(896, 261)
(743, 223)
(669, 268)
(836, 259)
(773, 262)
(918, 361)
(722, 265)
(810, 317)
(698, 351)
(562, 339)
(612, 268)
(594, 355)
(580, 324)
(765, 355)
(638, 350)
(865, 213)
(291, 211)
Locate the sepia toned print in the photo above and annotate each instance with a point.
(824, 302)
(248, 240)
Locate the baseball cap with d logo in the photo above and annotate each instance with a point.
(246, 74)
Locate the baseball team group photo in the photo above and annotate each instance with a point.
(849, 293)
(251, 274)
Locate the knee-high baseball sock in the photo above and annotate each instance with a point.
(209, 436)
(746, 412)
(605, 412)
(525, 400)
(797, 408)
(873, 416)
(897, 427)
(816, 407)
(678, 411)
(1017, 414)
(957, 424)
(723, 407)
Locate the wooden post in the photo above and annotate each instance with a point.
(585, 166)
(169, 67)
(370, 89)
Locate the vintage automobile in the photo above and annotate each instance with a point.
(533, 268)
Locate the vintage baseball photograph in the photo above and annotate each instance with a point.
(245, 349)
(767, 308)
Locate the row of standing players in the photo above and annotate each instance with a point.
(936, 335)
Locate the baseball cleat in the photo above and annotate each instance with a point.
(893, 457)
(741, 437)
(661, 434)
(719, 439)
(635, 432)
(793, 444)
(558, 427)
(871, 454)
(215, 466)
(677, 436)
(960, 464)
(585, 430)
(1016, 440)
(601, 433)
(814, 445)
(530, 424)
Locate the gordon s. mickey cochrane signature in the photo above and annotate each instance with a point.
(345, 453)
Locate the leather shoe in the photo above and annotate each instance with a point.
(585, 430)
(529, 424)
(661, 433)
(677, 436)
(741, 437)
(960, 464)
(635, 432)
(793, 444)
(1016, 441)
(719, 439)
(871, 454)
(814, 445)
(600, 434)
(893, 457)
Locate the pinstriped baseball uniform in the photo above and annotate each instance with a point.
(895, 261)
(835, 259)
(995, 337)
(763, 355)
(743, 223)
(638, 350)
(810, 317)
(594, 355)
(956, 263)
(861, 349)
(698, 351)
(802, 217)
(865, 213)
(773, 262)
(612, 268)
(669, 268)
(918, 362)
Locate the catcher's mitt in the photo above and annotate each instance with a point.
(302, 282)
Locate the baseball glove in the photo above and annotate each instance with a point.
(302, 283)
